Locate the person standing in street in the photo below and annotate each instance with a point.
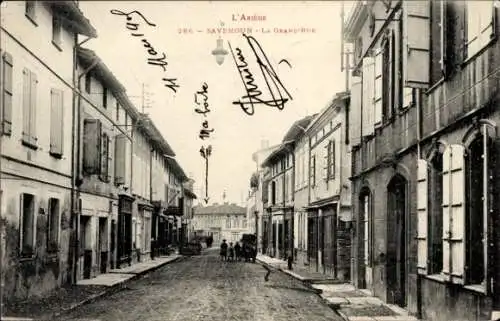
(231, 252)
(237, 251)
(223, 250)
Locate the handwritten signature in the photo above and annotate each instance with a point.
(152, 58)
(279, 94)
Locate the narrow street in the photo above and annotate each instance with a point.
(203, 288)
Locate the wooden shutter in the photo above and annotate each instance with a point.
(26, 105)
(33, 101)
(7, 94)
(332, 159)
(480, 25)
(454, 214)
(355, 111)
(416, 51)
(56, 122)
(313, 170)
(378, 87)
(422, 215)
(120, 159)
(92, 146)
(368, 93)
(326, 167)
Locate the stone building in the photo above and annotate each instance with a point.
(425, 154)
(37, 85)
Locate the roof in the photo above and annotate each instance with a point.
(298, 128)
(176, 168)
(278, 153)
(87, 57)
(189, 193)
(149, 128)
(72, 17)
(339, 97)
(221, 209)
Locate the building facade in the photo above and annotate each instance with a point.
(37, 114)
(329, 203)
(425, 152)
(221, 221)
(103, 163)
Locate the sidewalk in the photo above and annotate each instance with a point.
(85, 291)
(350, 303)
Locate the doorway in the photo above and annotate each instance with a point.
(103, 244)
(396, 241)
(366, 240)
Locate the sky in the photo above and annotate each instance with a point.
(312, 77)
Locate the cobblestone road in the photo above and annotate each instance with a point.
(202, 288)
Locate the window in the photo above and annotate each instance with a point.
(27, 225)
(30, 11)
(479, 189)
(53, 225)
(331, 160)
(118, 112)
(367, 228)
(7, 65)
(92, 138)
(438, 43)
(120, 159)
(30, 83)
(387, 73)
(273, 192)
(313, 170)
(104, 97)
(480, 28)
(56, 123)
(56, 31)
(435, 215)
(88, 82)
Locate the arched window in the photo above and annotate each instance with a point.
(479, 180)
(435, 213)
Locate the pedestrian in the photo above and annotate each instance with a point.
(237, 251)
(231, 252)
(223, 250)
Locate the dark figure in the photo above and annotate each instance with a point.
(237, 251)
(223, 250)
(231, 252)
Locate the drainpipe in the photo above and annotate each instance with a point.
(75, 169)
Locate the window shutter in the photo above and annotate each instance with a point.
(92, 146)
(480, 25)
(326, 167)
(453, 214)
(355, 111)
(33, 98)
(422, 205)
(120, 159)
(26, 105)
(56, 122)
(377, 99)
(368, 91)
(333, 160)
(7, 94)
(416, 53)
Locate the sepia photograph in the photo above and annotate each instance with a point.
(250, 160)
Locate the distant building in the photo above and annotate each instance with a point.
(224, 221)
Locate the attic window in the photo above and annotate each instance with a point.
(56, 32)
(30, 11)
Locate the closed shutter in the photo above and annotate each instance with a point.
(333, 160)
(416, 51)
(7, 67)
(453, 214)
(368, 95)
(26, 105)
(326, 167)
(355, 111)
(378, 90)
(56, 122)
(120, 159)
(480, 25)
(104, 157)
(313, 170)
(422, 217)
(92, 146)
(33, 100)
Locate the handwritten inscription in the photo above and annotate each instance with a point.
(277, 96)
(153, 58)
(201, 99)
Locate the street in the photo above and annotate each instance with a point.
(204, 288)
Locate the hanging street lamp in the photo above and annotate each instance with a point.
(219, 52)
